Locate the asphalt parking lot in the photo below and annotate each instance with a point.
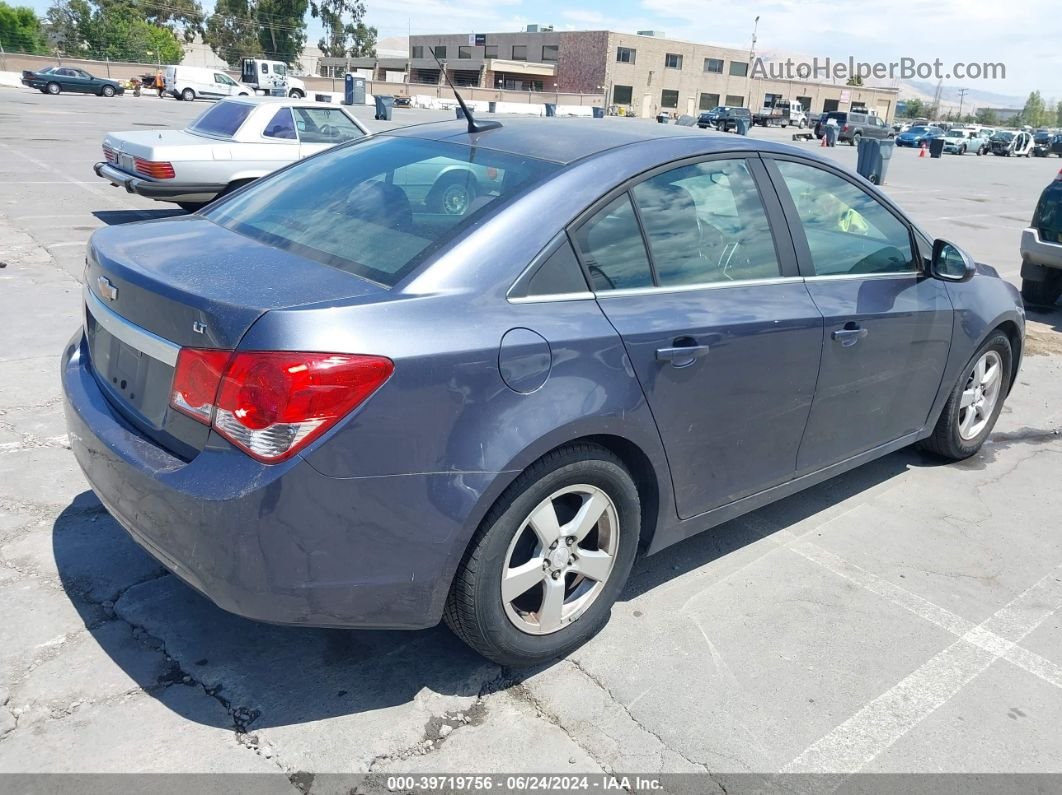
(902, 618)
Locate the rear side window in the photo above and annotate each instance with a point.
(612, 248)
(281, 125)
(378, 208)
(223, 119)
(560, 274)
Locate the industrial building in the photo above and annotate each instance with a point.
(644, 73)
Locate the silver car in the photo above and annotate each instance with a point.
(232, 143)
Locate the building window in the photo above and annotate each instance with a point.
(625, 55)
(519, 52)
(735, 101)
(672, 61)
(709, 101)
(739, 69)
(668, 98)
(622, 95)
(418, 52)
(490, 51)
(769, 100)
(805, 103)
(464, 53)
(713, 65)
(440, 51)
(550, 52)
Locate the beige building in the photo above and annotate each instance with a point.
(644, 73)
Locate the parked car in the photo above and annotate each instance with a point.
(57, 79)
(1006, 143)
(322, 403)
(724, 118)
(232, 143)
(853, 125)
(1041, 248)
(1051, 146)
(402, 101)
(960, 140)
(190, 83)
(919, 135)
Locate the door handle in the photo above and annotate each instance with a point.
(682, 355)
(849, 335)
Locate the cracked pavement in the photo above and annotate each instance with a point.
(746, 649)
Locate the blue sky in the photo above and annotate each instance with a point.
(1022, 35)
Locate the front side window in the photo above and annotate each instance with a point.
(224, 80)
(281, 126)
(325, 126)
(223, 119)
(612, 249)
(377, 208)
(706, 223)
(848, 231)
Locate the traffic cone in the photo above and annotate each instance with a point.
(922, 150)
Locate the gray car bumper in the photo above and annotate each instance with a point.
(161, 191)
(1035, 251)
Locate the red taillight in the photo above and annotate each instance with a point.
(153, 169)
(845, 128)
(110, 155)
(271, 404)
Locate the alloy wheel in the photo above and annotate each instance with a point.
(979, 397)
(559, 560)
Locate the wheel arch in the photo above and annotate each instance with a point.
(1010, 328)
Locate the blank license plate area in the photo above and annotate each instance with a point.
(131, 378)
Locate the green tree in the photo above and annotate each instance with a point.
(1058, 114)
(125, 30)
(986, 116)
(1033, 112)
(915, 108)
(121, 35)
(273, 29)
(21, 30)
(345, 31)
(232, 31)
(282, 29)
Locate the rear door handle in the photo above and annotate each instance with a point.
(849, 335)
(683, 355)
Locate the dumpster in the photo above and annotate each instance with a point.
(599, 113)
(383, 108)
(662, 118)
(551, 109)
(353, 89)
(742, 127)
(831, 135)
(873, 159)
(492, 107)
(936, 147)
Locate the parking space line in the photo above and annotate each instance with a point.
(883, 721)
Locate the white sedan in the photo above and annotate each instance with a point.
(232, 143)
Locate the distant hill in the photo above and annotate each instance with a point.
(949, 96)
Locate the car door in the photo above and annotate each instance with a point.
(694, 268)
(81, 81)
(887, 326)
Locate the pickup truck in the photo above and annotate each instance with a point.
(1041, 249)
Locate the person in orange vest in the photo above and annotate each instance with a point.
(160, 82)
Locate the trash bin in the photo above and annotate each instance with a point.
(383, 108)
(492, 107)
(551, 109)
(742, 127)
(873, 159)
(831, 135)
(662, 118)
(936, 147)
(599, 113)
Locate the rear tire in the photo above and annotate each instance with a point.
(1043, 293)
(53, 89)
(962, 429)
(188, 95)
(854, 140)
(515, 627)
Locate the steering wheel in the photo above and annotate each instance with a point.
(329, 130)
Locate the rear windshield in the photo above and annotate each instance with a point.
(223, 119)
(378, 207)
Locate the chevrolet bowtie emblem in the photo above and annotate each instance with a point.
(107, 288)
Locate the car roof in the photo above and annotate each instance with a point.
(564, 141)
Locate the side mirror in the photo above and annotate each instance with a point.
(950, 263)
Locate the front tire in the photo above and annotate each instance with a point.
(975, 402)
(107, 91)
(296, 94)
(549, 560)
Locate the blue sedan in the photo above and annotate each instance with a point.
(322, 401)
(917, 136)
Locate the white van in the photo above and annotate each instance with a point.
(193, 82)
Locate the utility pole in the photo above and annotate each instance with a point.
(962, 96)
(752, 58)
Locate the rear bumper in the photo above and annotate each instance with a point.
(161, 191)
(284, 543)
(1035, 251)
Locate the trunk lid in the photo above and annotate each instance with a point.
(120, 148)
(154, 287)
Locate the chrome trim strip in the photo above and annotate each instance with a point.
(686, 288)
(836, 277)
(547, 299)
(117, 326)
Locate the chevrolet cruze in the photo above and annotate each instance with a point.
(324, 400)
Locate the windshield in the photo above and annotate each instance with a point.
(377, 208)
(918, 130)
(1003, 136)
(954, 134)
(222, 120)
